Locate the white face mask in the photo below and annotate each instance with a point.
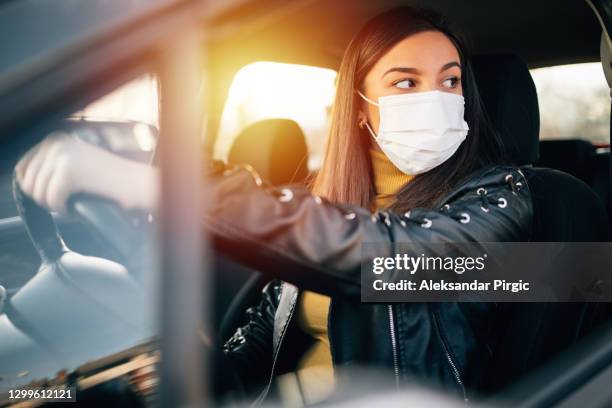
(419, 131)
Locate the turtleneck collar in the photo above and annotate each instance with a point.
(388, 179)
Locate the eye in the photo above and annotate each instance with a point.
(451, 82)
(404, 84)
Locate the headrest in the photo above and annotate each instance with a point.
(276, 148)
(510, 98)
(573, 156)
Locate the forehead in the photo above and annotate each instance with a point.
(426, 51)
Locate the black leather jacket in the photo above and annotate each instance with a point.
(305, 242)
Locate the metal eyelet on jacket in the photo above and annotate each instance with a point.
(407, 214)
(286, 195)
(515, 186)
(387, 220)
(482, 192)
(445, 207)
(426, 223)
(502, 202)
(484, 199)
(350, 216)
(465, 218)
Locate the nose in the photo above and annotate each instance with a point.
(429, 84)
(433, 84)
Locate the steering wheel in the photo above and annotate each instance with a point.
(124, 234)
(121, 232)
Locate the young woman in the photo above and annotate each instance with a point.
(410, 159)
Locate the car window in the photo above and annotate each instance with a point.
(135, 101)
(268, 90)
(124, 122)
(574, 102)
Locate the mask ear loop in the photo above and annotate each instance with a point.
(365, 122)
(366, 98)
(370, 131)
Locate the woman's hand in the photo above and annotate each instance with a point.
(63, 165)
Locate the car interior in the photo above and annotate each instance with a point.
(529, 333)
(569, 178)
(548, 352)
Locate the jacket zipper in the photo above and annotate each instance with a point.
(455, 372)
(393, 345)
(449, 358)
(391, 320)
(265, 392)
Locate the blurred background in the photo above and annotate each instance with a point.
(573, 103)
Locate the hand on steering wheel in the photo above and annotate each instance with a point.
(65, 174)
(63, 165)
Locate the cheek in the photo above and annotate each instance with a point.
(457, 91)
(373, 117)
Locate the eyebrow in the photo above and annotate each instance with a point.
(450, 65)
(409, 70)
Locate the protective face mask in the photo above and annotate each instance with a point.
(419, 131)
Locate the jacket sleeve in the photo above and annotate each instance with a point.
(249, 350)
(302, 239)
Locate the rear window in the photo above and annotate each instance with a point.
(574, 102)
(269, 90)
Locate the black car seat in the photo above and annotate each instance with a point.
(565, 210)
(573, 156)
(277, 150)
(579, 158)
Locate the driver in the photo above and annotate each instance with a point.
(410, 158)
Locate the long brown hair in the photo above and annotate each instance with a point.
(346, 173)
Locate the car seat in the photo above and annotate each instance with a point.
(573, 156)
(582, 159)
(276, 148)
(565, 210)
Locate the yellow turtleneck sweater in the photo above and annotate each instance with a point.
(315, 370)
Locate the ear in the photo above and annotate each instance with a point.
(361, 119)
